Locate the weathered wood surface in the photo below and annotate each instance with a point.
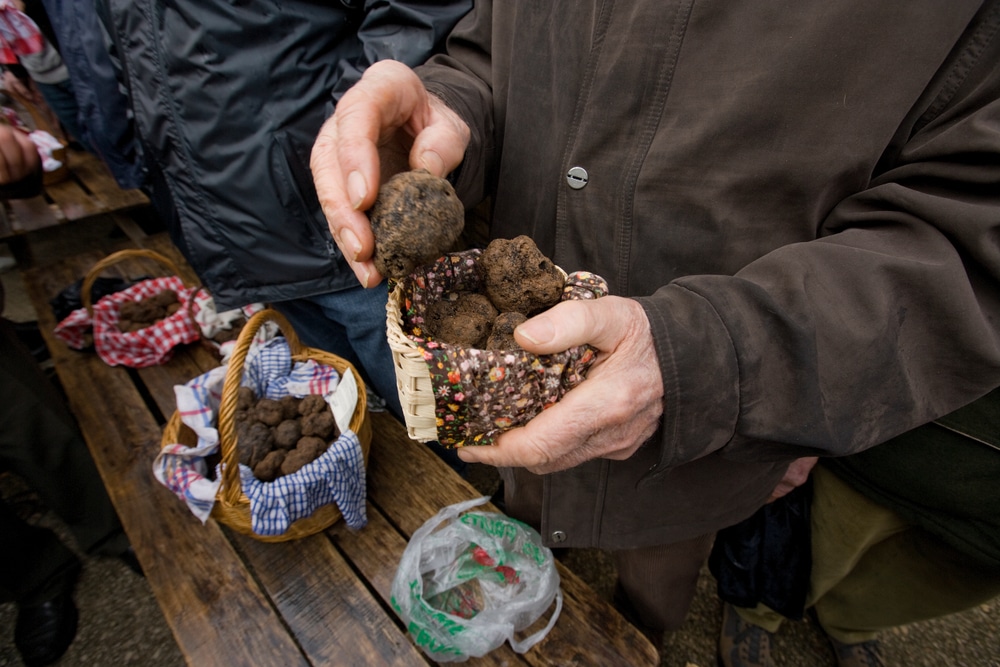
(322, 600)
(89, 190)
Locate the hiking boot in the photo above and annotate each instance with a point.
(865, 654)
(743, 644)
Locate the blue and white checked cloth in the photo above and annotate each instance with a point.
(337, 476)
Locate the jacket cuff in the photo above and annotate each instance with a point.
(700, 375)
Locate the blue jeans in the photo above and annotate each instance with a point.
(62, 101)
(351, 324)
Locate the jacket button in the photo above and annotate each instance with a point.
(577, 177)
(558, 536)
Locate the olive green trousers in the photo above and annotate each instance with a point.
(873, 571)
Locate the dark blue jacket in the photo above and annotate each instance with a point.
(228, 99)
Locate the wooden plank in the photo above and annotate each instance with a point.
(219, 615)
(28, 215)
(95, 176)
(589, 632)
(332, 615)
(74, 202)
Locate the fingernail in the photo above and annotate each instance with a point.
(432, 162)
(350, 244)
(365, 277)
(539, 330)
(356, 188)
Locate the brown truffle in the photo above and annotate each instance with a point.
(319, 424)
(416, 218)
(287, 433)
(307, 451)
(502, 335)
(463, 329)
(268, 412)
(245, 398)
(254, 443)
(311, 404)
(518, 277)
(270, 467)
(290, 406)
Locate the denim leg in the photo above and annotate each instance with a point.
(351, 324)
(62, 101)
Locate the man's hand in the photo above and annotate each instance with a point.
(19, 156)
(611, 413)
(796, 475)
(384, 124)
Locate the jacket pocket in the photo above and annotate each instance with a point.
(296, 190)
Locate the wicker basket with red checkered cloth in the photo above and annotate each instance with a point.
(149, 346)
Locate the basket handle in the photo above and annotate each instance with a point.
(231, 489)
(114, 258)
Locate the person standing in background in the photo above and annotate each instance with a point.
(228, 99)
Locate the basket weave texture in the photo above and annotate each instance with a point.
(465, 396)
(232, 507)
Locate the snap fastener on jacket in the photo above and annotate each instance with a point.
(577, 177)
(558, 536)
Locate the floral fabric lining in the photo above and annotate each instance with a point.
(479, 394)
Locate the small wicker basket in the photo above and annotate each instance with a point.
(413, 379)
(232, 507)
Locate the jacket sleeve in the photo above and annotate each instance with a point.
(409, 32)
(888, 320)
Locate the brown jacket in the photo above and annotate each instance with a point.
(804, 197)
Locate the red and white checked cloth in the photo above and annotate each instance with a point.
(19, 35)
(137, 349)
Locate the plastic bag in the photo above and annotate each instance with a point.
(467, 582)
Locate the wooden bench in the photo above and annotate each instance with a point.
(87, 191)
(322, 600)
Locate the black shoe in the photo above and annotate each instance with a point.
(45, 630)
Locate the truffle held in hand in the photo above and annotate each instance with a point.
(416, 218)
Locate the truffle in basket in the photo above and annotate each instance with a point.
(416, 218)
(277, 437)
(136, 315)
(467, 379)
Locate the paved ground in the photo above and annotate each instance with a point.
(121, 625)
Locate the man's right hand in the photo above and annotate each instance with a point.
(384, 124)
(19, 156)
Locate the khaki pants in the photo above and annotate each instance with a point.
(873, 571)
(659, 581)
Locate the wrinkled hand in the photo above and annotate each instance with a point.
(611, 413)
(384, 124)
(796, 475)
(19, 156)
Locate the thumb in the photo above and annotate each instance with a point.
(600, 322)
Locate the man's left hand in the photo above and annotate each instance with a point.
(611, 413)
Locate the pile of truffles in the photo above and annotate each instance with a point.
(518, 281)
(136, 315)
(416, 218)
(277, 437)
